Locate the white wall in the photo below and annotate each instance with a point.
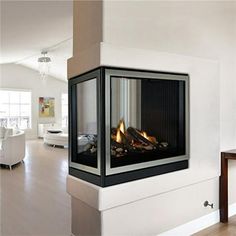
(19, 77)
(134, 34)
(202, 29)
(195, 28)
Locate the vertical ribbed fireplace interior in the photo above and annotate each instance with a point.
(128, 124)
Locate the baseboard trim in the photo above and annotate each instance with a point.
(199, 224)
(232, 209)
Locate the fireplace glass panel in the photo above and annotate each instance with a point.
(87, 123)
(147, 120)
(127, 124)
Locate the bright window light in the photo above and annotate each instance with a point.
(15, 109)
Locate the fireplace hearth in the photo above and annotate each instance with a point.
(127, 124)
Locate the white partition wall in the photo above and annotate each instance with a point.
(174, 37)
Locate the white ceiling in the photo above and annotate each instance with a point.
(28, 27)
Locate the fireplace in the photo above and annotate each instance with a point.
(127, 124)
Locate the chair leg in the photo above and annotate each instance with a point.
(10, 167)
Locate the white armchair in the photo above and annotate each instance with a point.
(12, 149)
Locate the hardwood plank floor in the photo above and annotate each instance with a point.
(220, 229)
(34, 201)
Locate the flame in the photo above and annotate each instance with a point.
(121, 133)
(122, 126)
(144, 134)
(125, 141)
(120, 129)
(118, 136)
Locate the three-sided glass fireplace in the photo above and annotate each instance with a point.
(127, 124)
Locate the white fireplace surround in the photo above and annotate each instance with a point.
(138, 204)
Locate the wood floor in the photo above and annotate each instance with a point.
(220, 229)
(34, 201)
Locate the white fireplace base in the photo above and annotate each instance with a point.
(123, 210)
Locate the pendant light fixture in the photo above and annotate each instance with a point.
(44, 64)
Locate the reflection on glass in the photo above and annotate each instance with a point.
(126, 103)
(87, 123)
(146, 120)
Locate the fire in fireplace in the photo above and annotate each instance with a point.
(127, 124)
(133, 142)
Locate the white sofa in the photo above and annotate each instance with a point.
(43, 128)
(60, 139)
(12, 146)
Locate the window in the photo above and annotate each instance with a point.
(64, 109)
(15, 109)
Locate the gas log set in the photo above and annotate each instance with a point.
(131, 140)
(123, 142)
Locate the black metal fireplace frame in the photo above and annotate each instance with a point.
(99, 177)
